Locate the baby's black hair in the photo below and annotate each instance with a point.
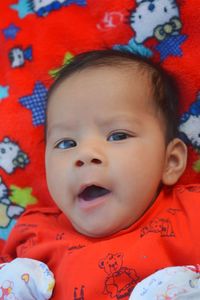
(164, 89)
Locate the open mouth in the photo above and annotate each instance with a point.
(92, 192)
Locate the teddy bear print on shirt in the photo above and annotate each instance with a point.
(120, 280)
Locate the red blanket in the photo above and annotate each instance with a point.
(37, 37)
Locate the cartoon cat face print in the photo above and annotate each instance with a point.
(8, 151)
(3, 190)
(190, 124)
(191, 128)
(16, 57)
(38, 4)
(149, 15)
(11, 156)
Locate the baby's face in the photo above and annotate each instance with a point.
(105, 151)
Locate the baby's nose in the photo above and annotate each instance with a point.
(91, 153)
(81, 162)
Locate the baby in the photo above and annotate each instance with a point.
(113, 158)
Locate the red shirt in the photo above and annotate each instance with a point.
(108, 268)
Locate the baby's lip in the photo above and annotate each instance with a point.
(92, 191)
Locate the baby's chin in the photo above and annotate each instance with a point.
(98, 231)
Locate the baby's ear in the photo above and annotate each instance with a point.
(175, 162)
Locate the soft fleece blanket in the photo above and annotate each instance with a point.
(38, 36)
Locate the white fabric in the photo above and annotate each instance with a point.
(173, 283)
(28, 279)
(25, 279)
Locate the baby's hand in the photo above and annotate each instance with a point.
(173, 283)
(25, 279)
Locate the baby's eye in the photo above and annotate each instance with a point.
(118, 136)
(65, 144)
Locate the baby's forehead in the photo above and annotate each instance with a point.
(120, 75)
(125, 67)
(115, 83)
(127, 81)
(127, 72)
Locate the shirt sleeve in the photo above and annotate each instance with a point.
(27, 233)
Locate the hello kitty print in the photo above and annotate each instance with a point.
(158, 20)
(155, 18)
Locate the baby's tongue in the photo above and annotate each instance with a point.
(92, 192)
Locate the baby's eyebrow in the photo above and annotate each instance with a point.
(58, 127)
(121, 118)
(102, 121)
